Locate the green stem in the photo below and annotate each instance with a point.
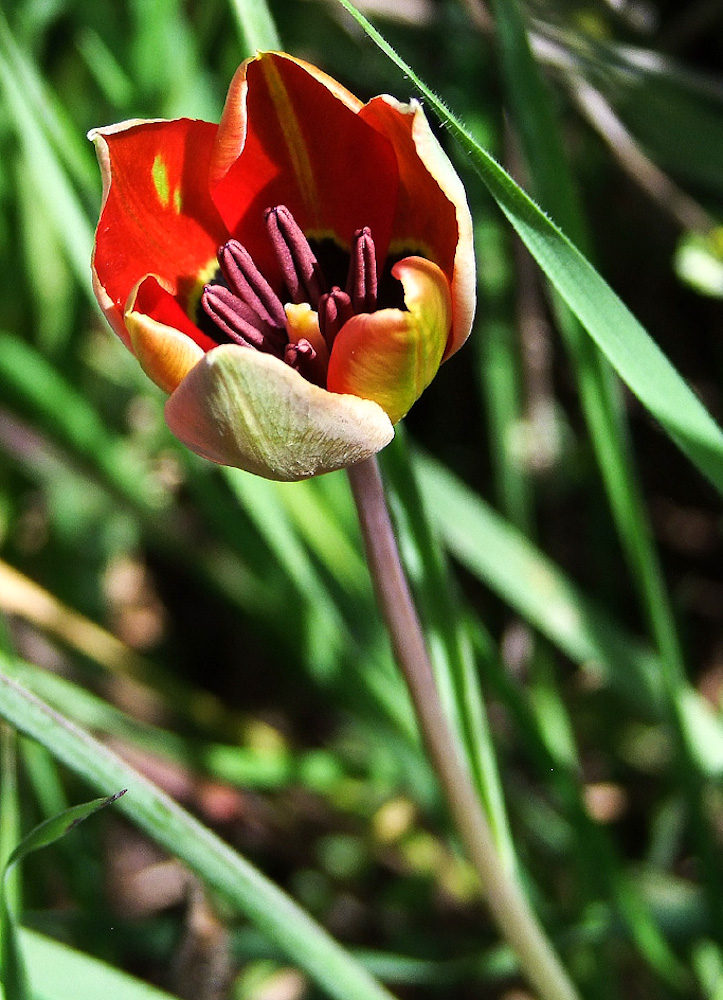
(505, 898)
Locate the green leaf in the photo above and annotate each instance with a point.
(256, 26)
(221, 868)
(14, 972)
(62, 973)
(499, 555)
(49, 176)
(635, 356)
(57, 826)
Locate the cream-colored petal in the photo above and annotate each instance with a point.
(165, 354)
(242, 408)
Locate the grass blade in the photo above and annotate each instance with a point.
(243, 886)
(627, 345)
(15, 975)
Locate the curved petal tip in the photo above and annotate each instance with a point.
(392, 355)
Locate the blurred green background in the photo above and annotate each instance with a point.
(219, 631)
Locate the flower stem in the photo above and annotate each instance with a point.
(507, 903)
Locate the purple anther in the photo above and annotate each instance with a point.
(237, 320)
(249, 284)
(335, 309)
(362, 281)
(299, 266)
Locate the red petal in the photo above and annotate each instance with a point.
(299, 142)
(157, 216)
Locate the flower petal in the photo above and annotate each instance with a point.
(432, 212)
(165, 354)
(290, 135)
(392, 355)
(157, 216)
(242, 408)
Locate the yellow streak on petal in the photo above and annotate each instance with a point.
(159, 173)
(300, 162)
(165, 354)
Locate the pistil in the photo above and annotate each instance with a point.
(335, 309)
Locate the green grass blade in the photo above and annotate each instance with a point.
(30, 381)
(60, 130)
(50, 179)
(58, 972)
(534, 116)
(530, 583)
(14, 969)
(256, 26)
(243, 886)
(627, 345)
(53, 829)
(552, 180)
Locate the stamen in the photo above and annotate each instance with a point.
(335, 309)
(299, 266)
(245, 308)
(236, 319)
(245, 279)
(361, 284)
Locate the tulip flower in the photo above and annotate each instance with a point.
(292, 277)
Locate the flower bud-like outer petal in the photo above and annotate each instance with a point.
(392, 355)
(246, 409)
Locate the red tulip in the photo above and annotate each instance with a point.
(294, 276)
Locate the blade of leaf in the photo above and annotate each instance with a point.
(50, 179)
(53, 829)
(528, 581)
(62, 973)
(256, 25)
(630, 349)
(15, 975)
(246, 889)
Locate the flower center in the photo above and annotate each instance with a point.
(245, 309)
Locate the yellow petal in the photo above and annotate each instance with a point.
(165, 354)
(246, 409)
(392, 355)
